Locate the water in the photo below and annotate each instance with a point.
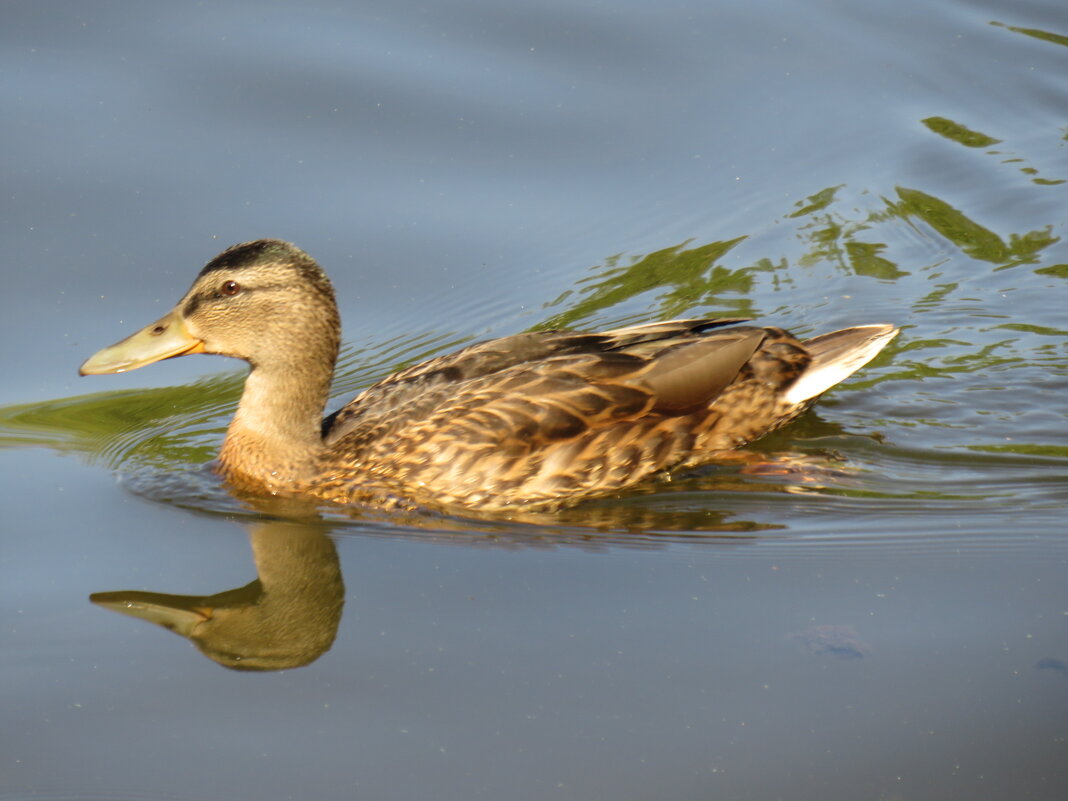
(887, 620)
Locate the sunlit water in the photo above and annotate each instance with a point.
(883, 616)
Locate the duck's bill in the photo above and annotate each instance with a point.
(179, 613)
(163, 339)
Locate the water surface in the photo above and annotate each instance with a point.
(886, 620)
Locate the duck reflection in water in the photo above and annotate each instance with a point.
(286, 618)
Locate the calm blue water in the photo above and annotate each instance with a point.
(889, 621)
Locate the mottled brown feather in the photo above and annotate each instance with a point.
(570, 423)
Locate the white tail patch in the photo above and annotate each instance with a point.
(836, 356)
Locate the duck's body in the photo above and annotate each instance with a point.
(537, 419)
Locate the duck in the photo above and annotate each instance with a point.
(287, 617)
(537, 420)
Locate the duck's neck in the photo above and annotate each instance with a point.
(276, 434)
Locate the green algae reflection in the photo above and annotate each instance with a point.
(149, 426)
(969, 236)
(685, 275)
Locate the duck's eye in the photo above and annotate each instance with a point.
(230, 288)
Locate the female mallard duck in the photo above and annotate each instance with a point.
(539, 419)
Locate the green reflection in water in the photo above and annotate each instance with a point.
(972, 238)
(1024, 449)
(151, 427)
(1033, 329)
(689, 275)
(958, 133)
(1035, 33)
(1059, 270)
(817, 202)
(962, 135)
(832, 239)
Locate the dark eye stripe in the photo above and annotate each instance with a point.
(226, 289)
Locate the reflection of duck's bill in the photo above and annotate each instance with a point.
(179, 613)
(162, 339)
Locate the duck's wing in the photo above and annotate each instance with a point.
(416, 392)
(569, 425)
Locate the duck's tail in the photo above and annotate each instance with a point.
(836, 356)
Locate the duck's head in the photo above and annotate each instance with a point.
(267, 302)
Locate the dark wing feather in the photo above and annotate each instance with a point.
(689, 376)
